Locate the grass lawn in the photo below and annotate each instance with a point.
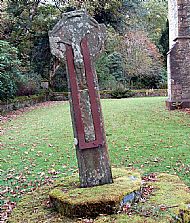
(37, 146)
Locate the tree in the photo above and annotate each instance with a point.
(3, 20)
(142, 60)
(110, 12)
(164, 42)
(9, 70)
(29, 23)
(105, 79)
(144, 63)
(116, 66)
(25, 24)
(155, 18)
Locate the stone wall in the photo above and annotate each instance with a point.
(150, 93)
(179, 54)
(173, 20)
(180, 70)
(58, 96)
(26, 101)
(106, 94)
(22, 102)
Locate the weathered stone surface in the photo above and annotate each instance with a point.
(169, 202)
(71, 29)
(173, 21)
(91, 202)
(22, 102)
(79, 39)
(179, 55)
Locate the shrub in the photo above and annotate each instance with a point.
(121, 92)
(9, 70)
(7, 86)
(29, 84)
(105, 79)
(59, 80)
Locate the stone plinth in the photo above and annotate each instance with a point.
(169, 202)
(91, 202)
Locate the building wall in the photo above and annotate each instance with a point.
(179, 53)
(173, 21)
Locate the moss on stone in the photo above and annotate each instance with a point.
(169, 191)
(90, 202)
(32, 208)
(124, 218)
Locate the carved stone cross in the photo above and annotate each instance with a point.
(79, 39)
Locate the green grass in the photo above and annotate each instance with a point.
(141, 133)
(168, 201)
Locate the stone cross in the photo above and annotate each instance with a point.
(179, 54)
(79, 39)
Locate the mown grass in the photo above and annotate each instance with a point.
(141, 133)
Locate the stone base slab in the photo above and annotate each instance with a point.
(91, 202)
(177, 104)
(169, 202)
